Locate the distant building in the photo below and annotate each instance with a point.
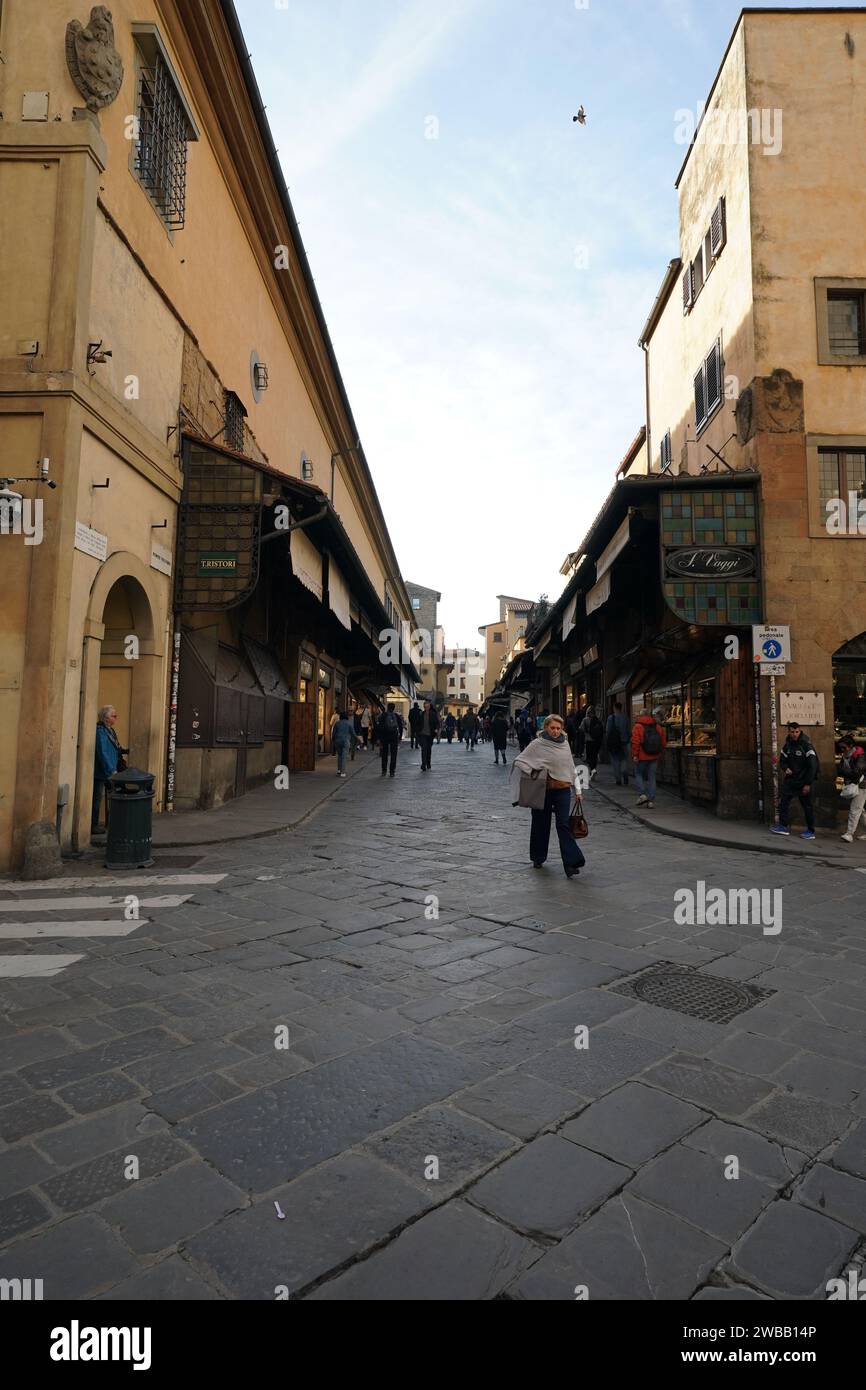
(465, 681)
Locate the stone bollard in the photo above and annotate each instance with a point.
(42, 852)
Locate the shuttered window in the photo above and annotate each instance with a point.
(708, 386)
(712, 244)
(718, 228)
(666, 453)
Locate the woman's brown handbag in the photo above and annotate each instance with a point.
(578, 824)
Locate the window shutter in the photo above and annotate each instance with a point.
(718, 228)
(688, 294)
(714, 378)
(698, 272)
(666, 453)
(700, 399)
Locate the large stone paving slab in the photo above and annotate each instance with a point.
(261, 1140)
(156, 1215)
(850, 1155)
(627, 1250)
(792, 1251)
(332, 1216)
(716, 1088)
(548, 1187)
(455, 1254)
(610, 1059)
(693, 1185)
(461, 1147)
(76, 1259)
(633, 1124)
(836, 1194)
(521, 1105)
(777, 1164)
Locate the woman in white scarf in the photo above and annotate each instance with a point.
(550, 755)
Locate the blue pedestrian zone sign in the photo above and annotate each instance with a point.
(771, 644)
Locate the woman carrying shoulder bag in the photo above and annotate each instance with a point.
(549, 757)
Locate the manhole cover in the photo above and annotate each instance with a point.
(686, 991)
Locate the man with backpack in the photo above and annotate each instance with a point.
(648, 741)
(470, 729)
(593, 733)
(618, 739)
(389, 732)
(798, 764)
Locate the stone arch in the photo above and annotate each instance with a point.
(125, 593)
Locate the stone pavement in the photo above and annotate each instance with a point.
(264, 811)
(671, 815)
(473, 1102)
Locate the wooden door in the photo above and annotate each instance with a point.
(302, 737)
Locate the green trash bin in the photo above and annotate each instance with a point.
(130, 820)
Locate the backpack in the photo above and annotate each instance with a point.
(652, 740)
(596, 730)
(390, 725)
(614, 737)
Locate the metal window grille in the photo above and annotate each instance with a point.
(234, 426)
(847, 323)
(161, 152)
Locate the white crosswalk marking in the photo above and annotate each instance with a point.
(21, 931)
(112, 881)
(79, 904)
(33, 967)
(31, 898)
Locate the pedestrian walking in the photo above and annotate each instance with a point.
(389, 731)
(618, 738)
(428, 729)
(470, 729)
(798, 765)
(550, 756)
(450, 727)
(853, 768)
(344, 739)
(366, 725)
(487, 729)
(593, 732)
(499, 734)
(648, 742)
(108, 759)
(414, 724)
(525, 729)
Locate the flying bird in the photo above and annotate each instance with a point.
(581, 116)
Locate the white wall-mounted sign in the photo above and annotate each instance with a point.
(90, 542)
(806, 706)
(775, 670)
(771, 644)
(160, 558)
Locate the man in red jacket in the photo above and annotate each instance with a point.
(648, 742)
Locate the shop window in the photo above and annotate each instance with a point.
(841, 317)
(303, 691)
(700, 715)
(849, 689)
(320, 719)
(669, 698)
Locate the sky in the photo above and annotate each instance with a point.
(485, 264)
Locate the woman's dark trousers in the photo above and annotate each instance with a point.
(558, 803)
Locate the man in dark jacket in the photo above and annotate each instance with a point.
(415, 717)
(389, 731)
(499, 733)
(799, 767)
(427, 732)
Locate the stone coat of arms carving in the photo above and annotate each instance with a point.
(94, 63)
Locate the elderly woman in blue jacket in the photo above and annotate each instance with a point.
(109, 757)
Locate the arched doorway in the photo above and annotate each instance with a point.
(122, 665)
(849, 688)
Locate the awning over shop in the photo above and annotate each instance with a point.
(570, 619)
(338, 593)
(630, 675)
(599, 595)
(268, 673)
(306, 562)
